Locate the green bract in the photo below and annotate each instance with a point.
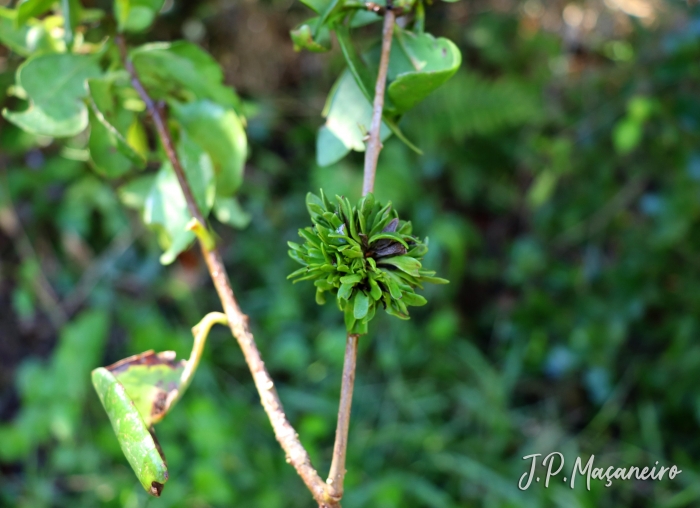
(363, 254)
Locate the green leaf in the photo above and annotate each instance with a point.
(361, 305)
(404, 263)
(219, 131)
(345, 291)
(348, 121)
(199, 172)
(365, 81)
(182, 69)
(55, 85)
(136, 15)
(165, 209)
(114, 142)
(413, 299)
(27, 9)
(11, 35)
(303, 37)
(317, 6)
(229, 211)
(418, 65)
(138, 444)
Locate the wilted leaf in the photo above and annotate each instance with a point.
(55, 85)
(151, 381)
(138, 444)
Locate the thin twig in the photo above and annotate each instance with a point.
(374, 144)
(337, 472)
(238, 322)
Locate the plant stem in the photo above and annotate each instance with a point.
(238, 322)
(374, 144)
(337, 472)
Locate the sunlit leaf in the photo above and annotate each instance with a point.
(418, 65)
(219, 131)
(55, 85)
(165, 209)
(347, 122)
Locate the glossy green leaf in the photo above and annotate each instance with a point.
(136, 15)
(182, 69)
(418, 65)
(404, 263)
(219, 131)
(361, 305)
(55, 85)
(347, 122)
(138, 444)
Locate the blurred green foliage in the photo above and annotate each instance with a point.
(560, 189)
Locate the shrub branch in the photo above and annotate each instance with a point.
(295, 452)
(374, 146)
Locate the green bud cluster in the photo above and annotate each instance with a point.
(364, 255)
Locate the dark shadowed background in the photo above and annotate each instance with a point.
(560, 190)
